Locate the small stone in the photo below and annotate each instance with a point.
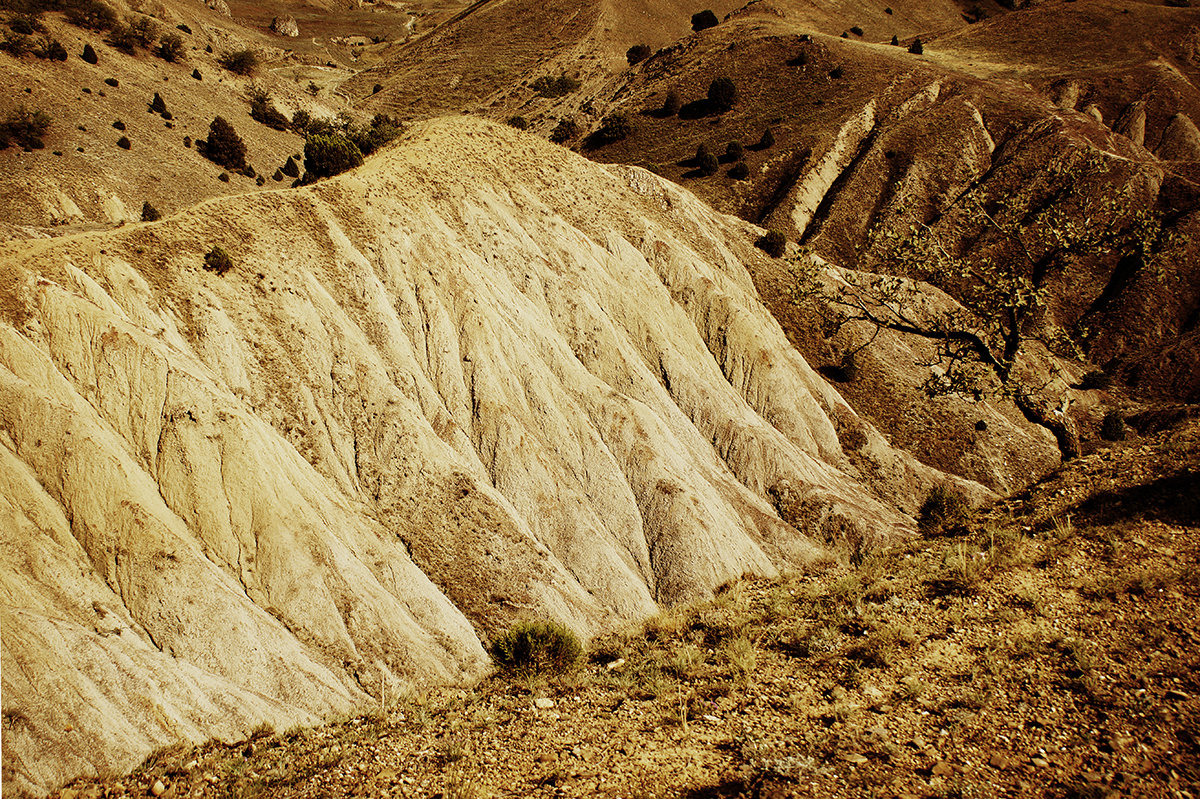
(158, 789)
(998, 761)
(1176, 696)
(1040, 762)
(942, 769)
(544, 758)
(855, 758)
(616, 664)
(710, 718)
(543, 703)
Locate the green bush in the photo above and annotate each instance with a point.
(1095, 379)
(1113, 426)
(671, 104)
(530, 648)
(240, 62)
(734, 151)
(217, 260)
(50, 49)
(134, 33)
(614, 127)
(326, 156)
(25, 127)
(703, 20)
(263, 110)
(722, 94)
(638, 53)
(857, 31)
(518, 122)
(150, 213)
(224, 146)
(561, 86)
(17, 44)
(369, 138)
(22, 25)
(941, 510)
(773, 243)
(170, 48)
(564, 131)
(767, 140)
(93, 15)
(739, 171)
(707, 164)
(916, 47)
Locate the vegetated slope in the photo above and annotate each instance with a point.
(477, 379)
(1042, 648)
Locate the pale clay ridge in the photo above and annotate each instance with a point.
(477, 379)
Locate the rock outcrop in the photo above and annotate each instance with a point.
(285, 26)
(1180, 140)
(479, 378)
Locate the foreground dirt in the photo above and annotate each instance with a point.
(1046, 646)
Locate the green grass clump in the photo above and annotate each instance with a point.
(536, 647)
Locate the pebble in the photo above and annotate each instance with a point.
(543, 703)
(998, 761)
(942, 769)
(158, 789)
(1175, 695)
(855, 758)
(1040, 762)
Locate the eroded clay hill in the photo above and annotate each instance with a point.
(480, 378)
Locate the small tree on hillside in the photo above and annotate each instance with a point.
(722, 94)
(224, 145)
(916, 47)
(702, 20)
(171, 48)
(326, 156)
(240, 62)
(671, 104)
(637, 54)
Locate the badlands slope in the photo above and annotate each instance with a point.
(478, 379)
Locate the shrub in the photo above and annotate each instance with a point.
(51, 49)
(707, 164)
(290, 169)
(134, 33)
(262, 110)
(614, 127)
(150, 213)
(722, 94)
(916, 47)
(124, 143)
(942, 509)
(113, 82)
(93, 15)
(857, 31)
(895, 40)
(547, 86)
(16, 44)
(370, 138)
(240, 62)
(158, 105)
(21, 25)
(564, 131)
(637, 54)
(196, 74)
(300, 121)
(671, 104)
(171, 48)
(773, 243)
(1113, 426)
(837, 72)
(1095, 379)
(530, 648)
(89, 54)
(224, 145)
(703, 20)
(326, 156)
(217, 260)
(377, 88)
(739, 171)
(25, 127)
(118, 124)
(734, 151)
(767, 140)
(520, 123)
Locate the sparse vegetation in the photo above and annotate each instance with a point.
(25, 127)
(240, 62)
(703, 20)
(530, 648)
(1113, 426)
(916, 47)
(613, 128)
(171, 48)
(136, 32)
(150, 213)
(773, 243)
(518, 122)
(224, 146)
(92, 14)
(217, 260)
(942, 510)
(734, 151)
(637, 54)
(560, 86)
(722, 94)
(565, 131)
(767, 140)
(264, 111)
(671, 104)
(739, 171)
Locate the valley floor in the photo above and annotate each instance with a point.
(1044, 647)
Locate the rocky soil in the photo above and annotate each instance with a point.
(1045, 646)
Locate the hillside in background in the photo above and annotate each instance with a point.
(484, 377)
